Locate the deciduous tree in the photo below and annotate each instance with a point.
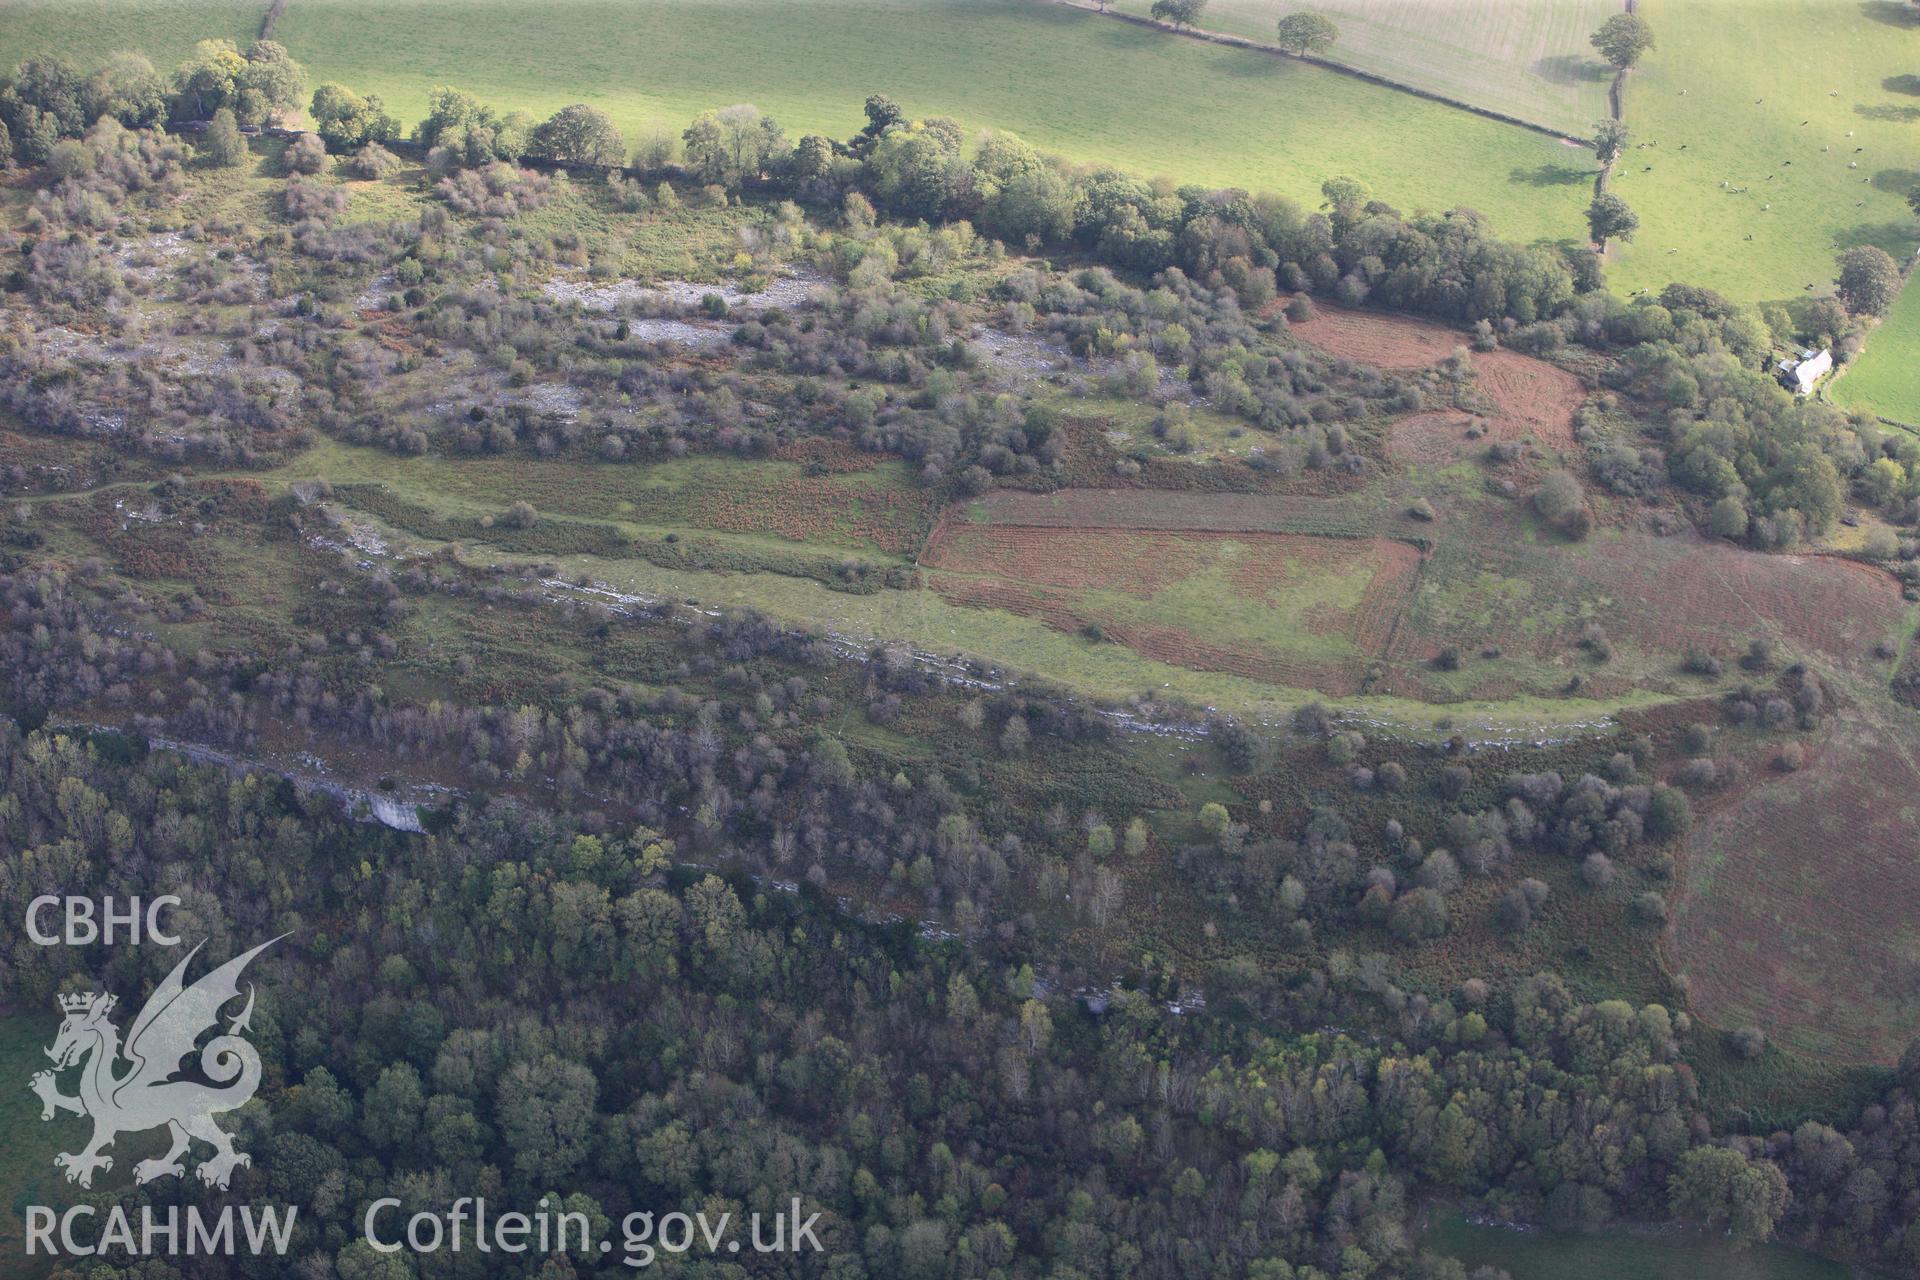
(733, 144)
(222, 144)
(1609, 139)
(579, 134)
(1611, 218)
(1623, 39)
(1869, 280)
(1729, 1189)
(347, 120)
(1307, 32)
(1181, 13)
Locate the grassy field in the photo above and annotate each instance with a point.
(27, 1144)
(1524, 58)
(1740, 120)
(1088, 87)
(1619, 1254)
(1885, 380)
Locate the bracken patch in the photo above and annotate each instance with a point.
(1379, 338)
(1534, 397)
(1796, 911)
(811, 508)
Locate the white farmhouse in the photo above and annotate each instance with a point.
(1800, 374)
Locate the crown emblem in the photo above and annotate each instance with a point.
(85, 1002)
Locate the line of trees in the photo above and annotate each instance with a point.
(47, 99)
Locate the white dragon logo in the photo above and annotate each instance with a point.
(147, 1096)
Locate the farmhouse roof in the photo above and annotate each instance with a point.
(1801, 374)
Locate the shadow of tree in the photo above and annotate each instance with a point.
(1902, 84)
(1569, 68)
(1891, 12)
(1896, 114)
(1895, 237)
(1125, 35)
(1552, 175)
(1898, 181)
(1247, 62)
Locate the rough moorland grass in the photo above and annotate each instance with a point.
(922, 619)
(1769, 874)
(1886, 379)
(1261, 596)
(1752, 71)
(1070, 81)
(1524, 58)
(917, 617)
(881, 512)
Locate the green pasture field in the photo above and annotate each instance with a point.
(1070, 81)
(1106, 92)
(1752, 71)
(1524, 58)
(88, 30)
(1885, 379)
(1092, 89)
